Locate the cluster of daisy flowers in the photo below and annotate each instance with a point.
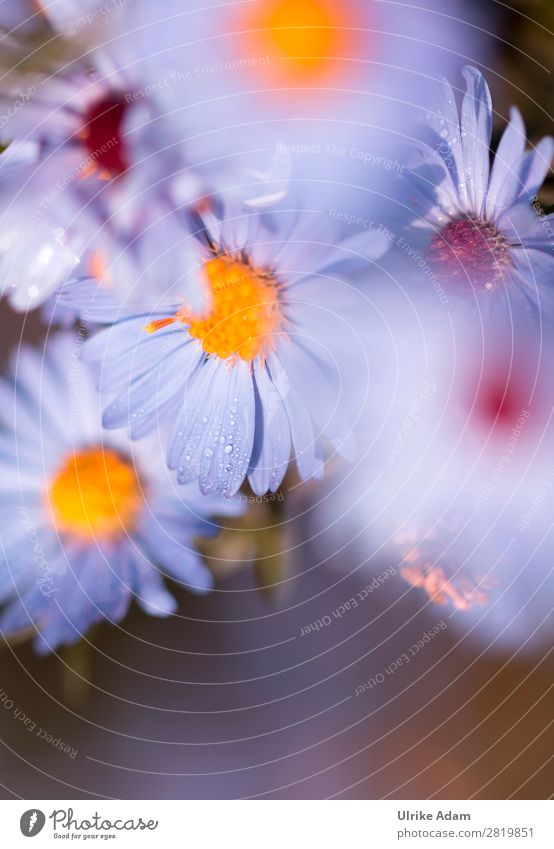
(210, 311)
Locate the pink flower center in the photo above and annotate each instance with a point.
(500, 402)
(503, 403)
(470, 252)
(102, 133)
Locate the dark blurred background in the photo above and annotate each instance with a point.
(227, 699)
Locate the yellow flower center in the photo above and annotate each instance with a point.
(95, 494)
(244, 312)
(310, 35)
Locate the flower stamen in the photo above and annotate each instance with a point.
(244, 312)
(470, 253)
(442, 584)
(96, 493)
(103, 138)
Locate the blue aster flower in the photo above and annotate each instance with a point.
(479, 227)
(252, 369)
(89, 522)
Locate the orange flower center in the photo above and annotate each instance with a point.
(309, 35)
(244, 312)
(463, 591)
(443, 586)
(95, 494)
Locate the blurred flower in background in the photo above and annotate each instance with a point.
(456, 485)
(338, 83)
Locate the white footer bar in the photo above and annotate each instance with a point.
(279, 824)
